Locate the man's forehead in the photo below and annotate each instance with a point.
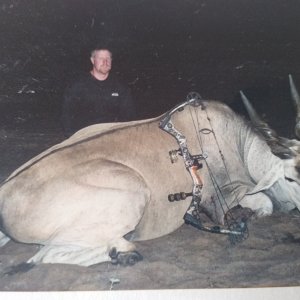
(102, 53)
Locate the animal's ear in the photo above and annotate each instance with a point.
(280, 147)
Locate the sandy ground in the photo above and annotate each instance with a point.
(187, 258)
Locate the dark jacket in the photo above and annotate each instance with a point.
(90, 101)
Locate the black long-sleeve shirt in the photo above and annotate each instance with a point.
(90, 101)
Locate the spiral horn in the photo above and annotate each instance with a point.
(296, 98)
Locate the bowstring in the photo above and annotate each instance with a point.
(211, 174)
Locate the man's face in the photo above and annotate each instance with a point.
(101, 61)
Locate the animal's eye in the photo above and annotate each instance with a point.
(289, 179)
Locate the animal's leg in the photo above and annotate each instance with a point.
(260, 203)
(123, 252)
(97, 228)
(70, 254)
(83, 219)
(3, 239)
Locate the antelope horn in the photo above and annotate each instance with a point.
(296, 98)
(268, 133)
(277, 144)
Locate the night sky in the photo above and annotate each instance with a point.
(163, 49)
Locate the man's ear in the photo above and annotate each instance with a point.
(92, 60)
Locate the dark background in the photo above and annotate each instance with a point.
(162, 48)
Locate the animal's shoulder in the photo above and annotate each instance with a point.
(219, 107)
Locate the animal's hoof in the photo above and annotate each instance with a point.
(238, 214)
(113, 255)
(113, 252)
(125, 258)
(133, 258)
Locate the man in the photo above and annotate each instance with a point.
(98, 97)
